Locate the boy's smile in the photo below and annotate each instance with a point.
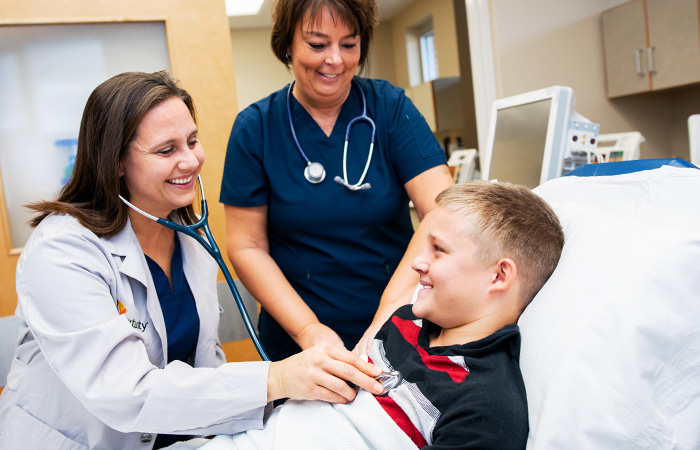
(454, 281)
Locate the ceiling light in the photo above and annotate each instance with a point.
(243, 7)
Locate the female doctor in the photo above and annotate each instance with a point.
(317, 183)
(118, 347)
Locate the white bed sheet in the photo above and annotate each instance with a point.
(611, 345)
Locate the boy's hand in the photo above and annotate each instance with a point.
(365, 344)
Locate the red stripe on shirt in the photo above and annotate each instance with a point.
(409, 331)
(399, 416)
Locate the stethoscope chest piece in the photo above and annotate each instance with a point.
(314, 172)
(389, 380)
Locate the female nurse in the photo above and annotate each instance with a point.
(315, 252)
(118, 347)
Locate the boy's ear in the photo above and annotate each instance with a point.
(503, 276)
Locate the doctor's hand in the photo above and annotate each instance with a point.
(319, 373)
(317, 333)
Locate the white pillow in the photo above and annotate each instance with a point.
(611, 344)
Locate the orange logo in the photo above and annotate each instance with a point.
(121, 307)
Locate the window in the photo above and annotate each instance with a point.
(428, 57)
(420, 52)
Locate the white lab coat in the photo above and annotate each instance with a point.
(85, 376)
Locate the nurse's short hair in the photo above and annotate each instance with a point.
(507, 220)
(110, 119)
(360, 16)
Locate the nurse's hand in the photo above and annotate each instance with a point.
(316, 334)
(319, 373)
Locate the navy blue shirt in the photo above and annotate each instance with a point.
(181, 320)
(178, 306)
(338, 248)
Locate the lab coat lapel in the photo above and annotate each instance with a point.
(134, 266)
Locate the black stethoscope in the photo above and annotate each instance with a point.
(314, 171)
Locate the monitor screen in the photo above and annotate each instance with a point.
(519, 142)
(527, 136)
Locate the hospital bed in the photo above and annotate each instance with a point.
(611, 344)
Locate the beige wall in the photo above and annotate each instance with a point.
(381, 55)
(539, 43)
(442, 12)
(258, 72)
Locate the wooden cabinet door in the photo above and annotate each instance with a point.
(674, 38)
(625, 44)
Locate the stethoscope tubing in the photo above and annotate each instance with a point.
(210, 246)
(363, 117)
(389, 380)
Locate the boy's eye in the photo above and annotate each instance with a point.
(193, 143)
(437, 248)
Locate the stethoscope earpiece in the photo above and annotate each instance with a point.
(314, 171)
(352, 187)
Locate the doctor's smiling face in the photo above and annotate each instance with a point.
(325, 54)
(163, 159)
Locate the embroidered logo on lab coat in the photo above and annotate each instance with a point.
(121, 307)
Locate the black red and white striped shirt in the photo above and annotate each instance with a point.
(468, 396)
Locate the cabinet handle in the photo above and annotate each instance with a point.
(638, 61)
(650, 55)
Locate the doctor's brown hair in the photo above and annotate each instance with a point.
(111, 117)
(360, 16)
(509, 221)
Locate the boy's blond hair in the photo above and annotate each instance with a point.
(510, 221)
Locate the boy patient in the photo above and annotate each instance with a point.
(489, 249)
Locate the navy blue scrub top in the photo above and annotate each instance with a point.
(338, 248)
(181, 320)
(178, 306)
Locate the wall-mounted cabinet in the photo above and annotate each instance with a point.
(651, 45)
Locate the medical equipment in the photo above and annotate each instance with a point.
(464, 161)
(531, 135)
(213, 250)
(388, 379)
(620, 146)
(314, 171)
(694, 138)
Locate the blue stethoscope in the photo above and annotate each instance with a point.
(314, 171)
(389, 380)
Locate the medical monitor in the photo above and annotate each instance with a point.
(527, 136)
(694, 138)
